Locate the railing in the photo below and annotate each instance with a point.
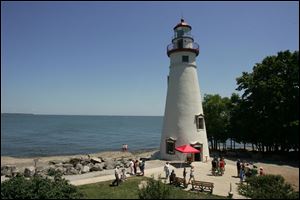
(184, 35)
(194, 47)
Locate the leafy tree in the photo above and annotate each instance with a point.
(155, 190)
(217, 115)
(267, 187)
(269, 105)
(38, 188)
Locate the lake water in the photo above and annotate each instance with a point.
(25, 135)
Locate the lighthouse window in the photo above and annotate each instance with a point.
(185, 58)
(170, 146)
(200, 121)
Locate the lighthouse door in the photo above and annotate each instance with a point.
(197, 156)
(180, 44)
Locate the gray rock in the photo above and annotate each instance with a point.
(96, 160)
(29, 171)
(71, 171)
(67, 165)
(109, 164)
(85, 169)
(97, 167)
(79, 167)
(74, 161)
(8, 170)
(55, 162)
(85, 161)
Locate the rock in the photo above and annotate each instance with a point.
(29, 171)
(8, 170)
(85, 169)
(95, 160)
(71, 171)
(79, 167)
(67, 165)
(97, 167)
(55, 162)
(109, 164)
(74, 161)
(85, 161)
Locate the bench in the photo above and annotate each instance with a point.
(203, 186)
(180, 182)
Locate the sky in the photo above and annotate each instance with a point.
(109, 58)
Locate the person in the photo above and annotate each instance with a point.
(167, 169)
(142, 166)
(238, 166)
(123, 147)
(172, 177)
(131, 165)
(261, 171)
(214, 166)
(192, 176)
(247, 170)
(242, 174)
(123, 175)
(117, 176)
(222, 165)
(184, 176)
(135, 166)
(126, 147)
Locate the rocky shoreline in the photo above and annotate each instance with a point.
(71, 165)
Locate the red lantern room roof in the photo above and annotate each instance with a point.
(182, 24)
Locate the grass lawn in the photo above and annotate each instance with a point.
(129, 190)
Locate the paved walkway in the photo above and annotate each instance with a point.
(155, 167)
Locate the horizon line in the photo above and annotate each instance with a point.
(82, 114)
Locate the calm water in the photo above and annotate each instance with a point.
(41, 135)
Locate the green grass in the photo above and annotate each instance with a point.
(129, 190)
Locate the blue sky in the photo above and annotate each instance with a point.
(109, 58)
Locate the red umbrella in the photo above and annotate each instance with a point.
(186, 149)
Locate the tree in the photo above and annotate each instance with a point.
(216, 112)
(269, 105)
(38, 188)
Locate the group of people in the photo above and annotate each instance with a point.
(218, 166)
(245, 169)
(125, 147)
(120, 175)
(134, 165)
(172, 175)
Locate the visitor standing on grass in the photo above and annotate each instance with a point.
(192, 176)
(167, 169)
(117, 176)
(135, 166)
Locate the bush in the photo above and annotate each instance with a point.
(154, 190)
(38, 188)
(267, 187)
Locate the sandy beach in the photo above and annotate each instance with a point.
(155, 167)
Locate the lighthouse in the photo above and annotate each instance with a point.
(184, 120)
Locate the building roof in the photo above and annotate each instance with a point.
(182, 24)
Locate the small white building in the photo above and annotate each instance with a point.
(184, 118)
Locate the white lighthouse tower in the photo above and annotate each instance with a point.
(184, 118)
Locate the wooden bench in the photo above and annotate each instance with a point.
(180, 182)
(203, 186)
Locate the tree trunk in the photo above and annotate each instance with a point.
(233, 145)
(244, 145)
(230, 143)
(252, 147)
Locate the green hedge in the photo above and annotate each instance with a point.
(38, 188)
(267, 187)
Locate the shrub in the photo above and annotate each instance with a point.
(267, 187)
(154, 190)
(38, 188)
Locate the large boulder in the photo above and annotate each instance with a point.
(109, 164)
(71, 171)
(85, 169)
(67, 165)
(29, 171)
(95, 160)
(8, 170)
(97, 167)
(74, 161)
(79, 167)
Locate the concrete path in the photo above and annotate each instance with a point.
(155, 168)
